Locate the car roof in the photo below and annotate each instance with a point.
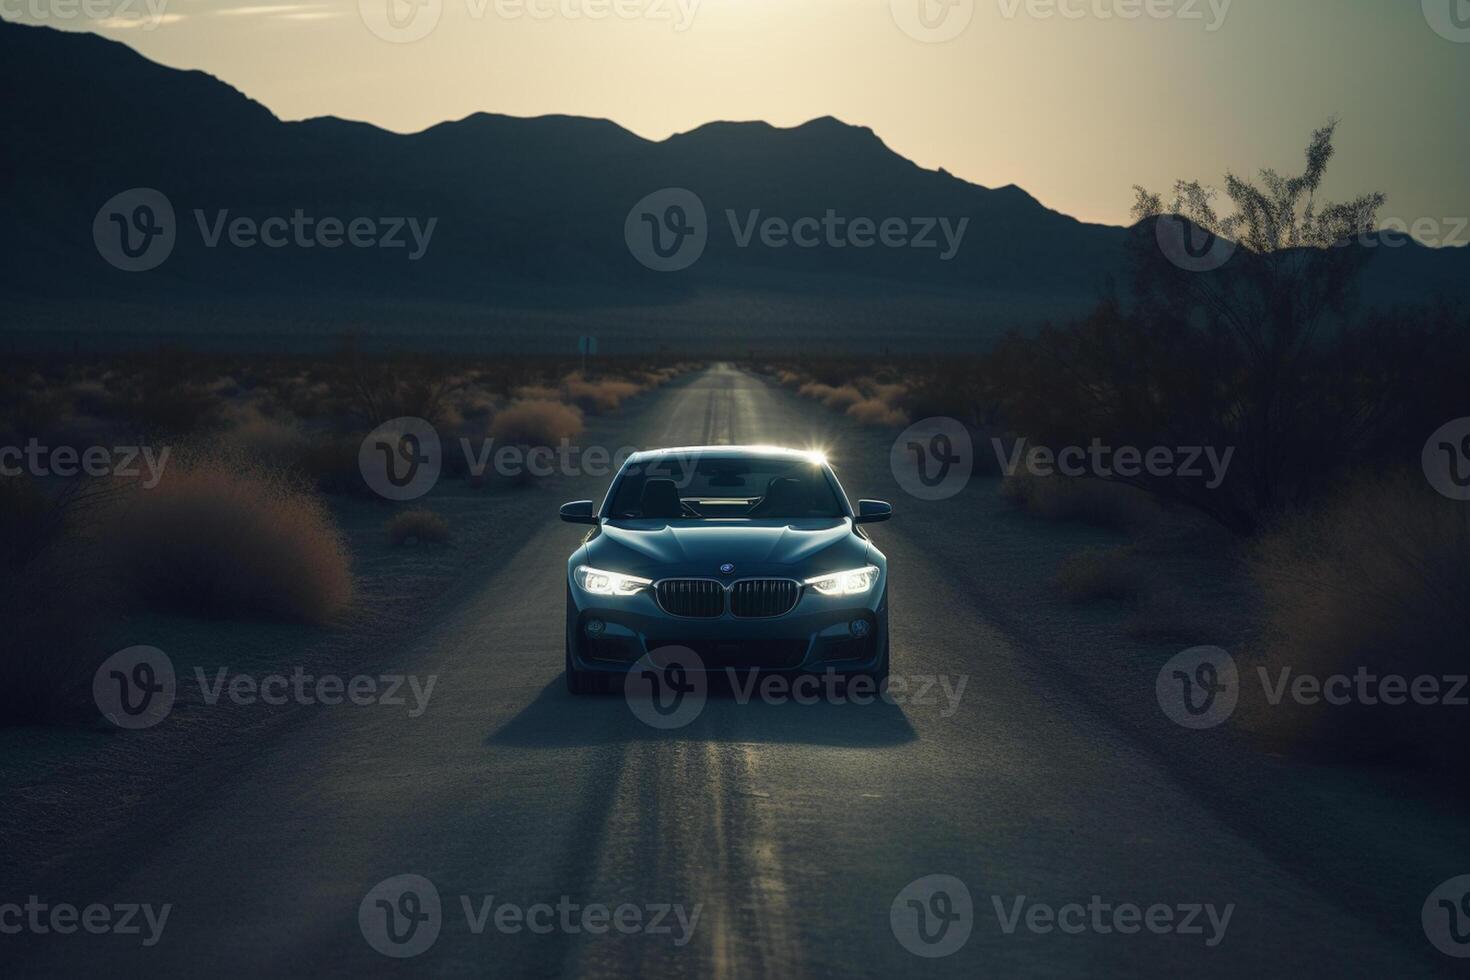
(729, 452)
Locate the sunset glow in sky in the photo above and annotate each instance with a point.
(1074, 100)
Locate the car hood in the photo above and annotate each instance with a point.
(656, 548)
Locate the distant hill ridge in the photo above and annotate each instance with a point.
(530, 212)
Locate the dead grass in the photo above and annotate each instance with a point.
(220, 537)
(874, 411)
(1377, 580)
(537, 422)
(417, 526)
(602, 395)
(836, 397)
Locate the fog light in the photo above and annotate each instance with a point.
(859, 627)
(595, 627)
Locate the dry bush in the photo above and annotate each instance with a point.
(604, 395)
(893, 394)
(1091, 501)
(1098, 574)
(536, 393)
(537, 422)
(1377, 580)
(875, 411)
(219, 537)
(420, 526)
(274, 443)
(838, 397)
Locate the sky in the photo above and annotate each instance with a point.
(1075, 101)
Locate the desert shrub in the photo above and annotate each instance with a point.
(838, 397)
(55, 600)
(273, 442)
(420, 525)
(1097, 574)
(875, 411)
(1378, 580)
(218, 537)
(1266, 356)
(536, 393)
(537, 422)
(1088, 501)
(604, 395)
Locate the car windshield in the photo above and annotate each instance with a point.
(725, 487)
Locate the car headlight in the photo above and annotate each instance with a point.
(595, 581)
(854, 581)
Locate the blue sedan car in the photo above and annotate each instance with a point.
(750, 556)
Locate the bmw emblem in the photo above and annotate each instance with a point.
(726, 568)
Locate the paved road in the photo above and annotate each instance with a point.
(793, 828)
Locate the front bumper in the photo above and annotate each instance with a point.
(816, 635)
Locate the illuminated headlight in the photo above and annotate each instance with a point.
(854, 581)
(594, 581)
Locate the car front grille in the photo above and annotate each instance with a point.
(697, 598)
(762, 597)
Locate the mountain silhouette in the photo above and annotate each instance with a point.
(530, 230)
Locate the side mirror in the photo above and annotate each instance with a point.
(873, 511)
(578, 512)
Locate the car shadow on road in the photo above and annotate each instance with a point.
(556, 719)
